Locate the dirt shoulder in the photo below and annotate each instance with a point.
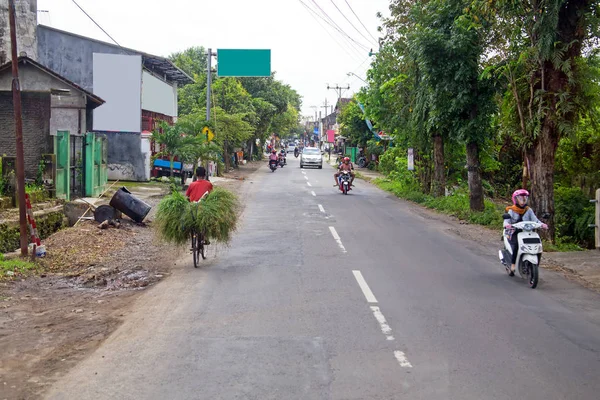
(50, 322)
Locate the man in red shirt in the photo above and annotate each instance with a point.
(197, 189)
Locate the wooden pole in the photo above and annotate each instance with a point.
(16, 91)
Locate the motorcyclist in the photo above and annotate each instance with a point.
(273, 157)
(282, 155)
(296, 151)
(518, 212)
(346, 165)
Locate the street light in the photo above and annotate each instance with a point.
(352, 73)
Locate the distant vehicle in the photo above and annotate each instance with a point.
(291, 147)
(163, 168)
(311, 156)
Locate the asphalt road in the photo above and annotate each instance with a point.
(326, 296)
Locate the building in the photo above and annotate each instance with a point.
(51, 105)
(139, 89)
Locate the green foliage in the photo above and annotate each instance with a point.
(215, 216)
(15, 267)
(353, 125)
(574, 213)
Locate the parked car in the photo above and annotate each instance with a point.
(311, 156)
(291, 147)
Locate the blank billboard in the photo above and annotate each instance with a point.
(158, 96)
(118, 80)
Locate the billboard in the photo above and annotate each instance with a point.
(118, 80)
(331, 136)
(158, 96)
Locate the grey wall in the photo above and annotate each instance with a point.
(125, 158)
(36, 128)
(26, 21)
(70, 56)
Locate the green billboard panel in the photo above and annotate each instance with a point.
(243, 62)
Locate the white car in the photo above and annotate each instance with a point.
(291, 147)
(311, 156)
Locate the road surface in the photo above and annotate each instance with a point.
(326, 296)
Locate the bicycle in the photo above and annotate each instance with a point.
(198, 239)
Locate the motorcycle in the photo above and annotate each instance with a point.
(296, 152)
(273, 165)
(362, 161)
(529, 251)
(344, 180)
(282, 162)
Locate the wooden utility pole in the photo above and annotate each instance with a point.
(16, 90)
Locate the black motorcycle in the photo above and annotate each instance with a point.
(296, 152)
(273, 165)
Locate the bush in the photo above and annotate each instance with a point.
(573, 214)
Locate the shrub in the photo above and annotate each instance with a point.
(573, 214)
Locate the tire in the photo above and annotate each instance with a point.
(533, 274)
(194, 249)
(320, 167)
(301, 166)
(344, 189)
(201, 248)
(362, 162)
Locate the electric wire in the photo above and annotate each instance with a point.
(338, 27)
(341, 45)
(97, 24)
(363, 25)
(350, 22)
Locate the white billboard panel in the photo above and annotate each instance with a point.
(158, 96)
(118, 80)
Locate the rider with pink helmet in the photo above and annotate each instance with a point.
(519, 212)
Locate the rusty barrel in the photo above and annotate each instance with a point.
(129, 205)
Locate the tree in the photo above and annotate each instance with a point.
(353, 125)
(195, 145)
(547, 70)
(192, 61)
(171, 141)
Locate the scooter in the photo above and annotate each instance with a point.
(344, 180)
(296, 152)
(529, 251)
(273, 165)
(282, 162)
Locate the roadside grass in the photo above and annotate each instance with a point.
(457, 204)
(12, 268)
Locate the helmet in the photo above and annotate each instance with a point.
(522, 193)
(346, 159)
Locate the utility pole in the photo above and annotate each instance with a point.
(16, 90)
(208, 90)
(325, 128)
(338, 89)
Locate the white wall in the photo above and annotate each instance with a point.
(118, 80)
(158, 96)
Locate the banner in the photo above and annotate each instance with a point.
(330, 136)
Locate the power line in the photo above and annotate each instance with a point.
(98, 25)
(351, 24)
(312, 14)
(338, 27)
(363, 25)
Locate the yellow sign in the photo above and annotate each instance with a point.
(209, 133)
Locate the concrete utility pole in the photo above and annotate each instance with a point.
(338, 89)
(596, 226)
(16, 90)
(208, 90)
(325, 127)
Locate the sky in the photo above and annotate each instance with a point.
(306, 51)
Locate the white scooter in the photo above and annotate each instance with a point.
(529, 251)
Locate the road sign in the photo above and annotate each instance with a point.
(243, 62)
(209, 133)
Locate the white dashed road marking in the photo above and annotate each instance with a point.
(402, 360)
(385, 328)
(313, 193)
(308, 183)
(305, 177)
(321, 208)
(337, 238)
(364, 287)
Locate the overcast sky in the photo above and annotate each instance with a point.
(307, 53)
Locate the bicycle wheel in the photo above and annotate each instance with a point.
(195, 249)
(201, 247)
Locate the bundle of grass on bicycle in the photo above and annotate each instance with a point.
(214, 218)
